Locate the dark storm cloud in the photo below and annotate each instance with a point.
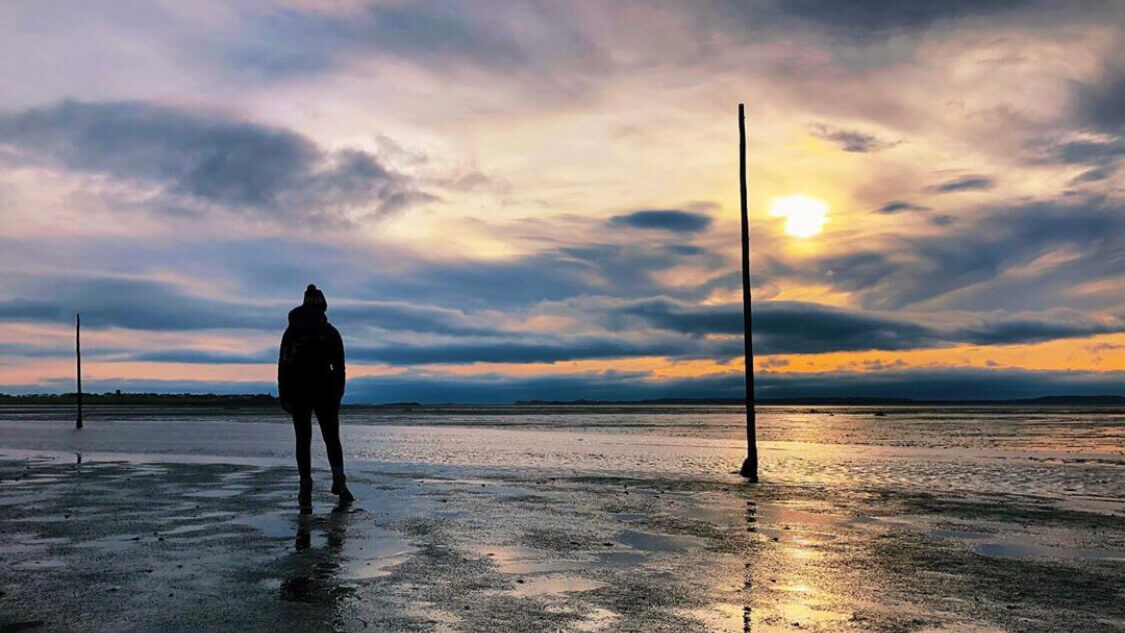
(790, 327)
(1101, 104)
(502, 388)
(543, 349)
(1058, 324)
(131, 303)
(143, 385)
(673, 220)
(865, 16)
(204, 356)
(938, 384)
(427, 387)
(967, 183)
(1095, 152)
(205, 161)
(797, 328)
(626, 270)
(438, 35)
(787, 327)
(145, 304)
(896, 206)
(1096, 174)
(849, 140)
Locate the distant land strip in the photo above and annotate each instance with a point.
(263, 400)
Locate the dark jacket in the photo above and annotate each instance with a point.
(310, 363)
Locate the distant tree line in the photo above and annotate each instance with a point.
(117, 397)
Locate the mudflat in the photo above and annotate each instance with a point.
(526, 529)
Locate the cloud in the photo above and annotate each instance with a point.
(673, 220)
(1088, 151)
(1032, 328)
(966, 183)
(979, 251)
(895, 206)
(850, 140)
(205, 162)
(140, 304)
(431, 387)
(871, 15)
(543, 349)
(1101, 105)
(427, 33)
(1094, 175)
(501, 388)
(791, 327)
(204, 356)
(939, 384)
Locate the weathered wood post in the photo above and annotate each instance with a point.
(750, 466)
(78, 363)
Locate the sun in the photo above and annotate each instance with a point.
(804, 216)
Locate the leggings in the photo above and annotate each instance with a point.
(328, 416)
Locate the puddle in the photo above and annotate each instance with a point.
(526, 560)
(554, 583)
(654, 542)
(618, 560)
(379, 556)
(275, 525)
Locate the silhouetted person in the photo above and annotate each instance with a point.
(310, 378)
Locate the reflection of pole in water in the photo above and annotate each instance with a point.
(750, 466)
(748, 584)
(78, 363)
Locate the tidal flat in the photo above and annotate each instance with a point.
(619, 522)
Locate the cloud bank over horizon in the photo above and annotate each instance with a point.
(540, 201)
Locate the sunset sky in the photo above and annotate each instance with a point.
(517, 200)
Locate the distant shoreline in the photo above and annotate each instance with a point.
(267, 400)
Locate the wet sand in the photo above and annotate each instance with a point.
(200, 539)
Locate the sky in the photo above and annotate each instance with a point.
(539, 200)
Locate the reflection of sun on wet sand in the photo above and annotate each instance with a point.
(845, 538)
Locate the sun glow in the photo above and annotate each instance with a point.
(804, 216)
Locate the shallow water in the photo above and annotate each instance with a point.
(1072, 455)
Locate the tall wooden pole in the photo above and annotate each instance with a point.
(78, 363)
(750, 466)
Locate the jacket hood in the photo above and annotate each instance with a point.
(307, 315)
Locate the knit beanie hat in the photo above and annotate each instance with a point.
(313, 295)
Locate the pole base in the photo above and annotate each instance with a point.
(749, 470)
